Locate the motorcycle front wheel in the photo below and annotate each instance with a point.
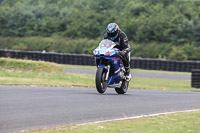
(101, 83)
(124, 87)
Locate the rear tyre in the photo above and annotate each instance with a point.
(124, 87)
(101, 83)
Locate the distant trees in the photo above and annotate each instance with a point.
(161, 28)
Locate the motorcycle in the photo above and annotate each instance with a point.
(110, 70)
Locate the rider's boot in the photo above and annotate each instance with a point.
(127, 73)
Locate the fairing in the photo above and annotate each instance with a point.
(107, 55)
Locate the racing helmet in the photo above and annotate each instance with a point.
(112, 31)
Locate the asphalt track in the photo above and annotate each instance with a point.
(23, 108)
(139, 74)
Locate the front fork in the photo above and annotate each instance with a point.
(108, 71)
(107, 68)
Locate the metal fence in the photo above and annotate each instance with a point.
(85, 59)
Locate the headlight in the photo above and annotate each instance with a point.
(95, 52)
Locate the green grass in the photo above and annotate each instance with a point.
(17, 72)
(172, 123)
(160, 84)
(151, 83)
(39, 73)
(28, 65)
(161, 72)
(29, 78)
(13, 77)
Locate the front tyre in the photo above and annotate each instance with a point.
(101, 83)
(124, 87)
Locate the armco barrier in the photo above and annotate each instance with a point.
(85, 59)
(195, 78)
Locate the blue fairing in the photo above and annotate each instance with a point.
(114, 79)
(103, 66)
(106, 55)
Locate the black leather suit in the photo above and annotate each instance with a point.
(122, 45)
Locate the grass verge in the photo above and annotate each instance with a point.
(28, 65)
(13, 77)
(160, 84)
(28, 78)
(171, 123)
(14, 73)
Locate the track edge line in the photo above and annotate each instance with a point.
(140, 116)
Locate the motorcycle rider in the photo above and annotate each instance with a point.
(114, 33)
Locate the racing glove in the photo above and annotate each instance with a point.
(122, 54)
(117, 43)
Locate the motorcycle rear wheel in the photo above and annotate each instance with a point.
(124, 87)
(101, 83)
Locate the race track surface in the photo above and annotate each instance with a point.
(23, 108)
(138, 74)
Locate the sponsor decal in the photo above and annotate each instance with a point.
(117, 71)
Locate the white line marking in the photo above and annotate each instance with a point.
(120, 119)
(141, 116)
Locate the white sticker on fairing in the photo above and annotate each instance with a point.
(103, 50)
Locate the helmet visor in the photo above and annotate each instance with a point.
(112, 34)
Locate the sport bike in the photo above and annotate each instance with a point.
(110, 69)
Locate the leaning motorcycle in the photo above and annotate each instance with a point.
(110, 69)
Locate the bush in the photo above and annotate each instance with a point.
(63, 45)
(177, 54)
(86, 46)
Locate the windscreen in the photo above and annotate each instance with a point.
(106, 44)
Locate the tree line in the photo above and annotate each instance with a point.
(155, 28)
